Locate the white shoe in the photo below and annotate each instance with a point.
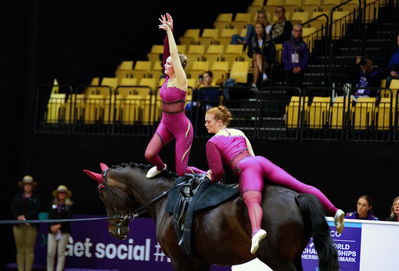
(339, 221)
(153, 172)
(258, 236)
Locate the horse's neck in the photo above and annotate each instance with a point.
(144, 190)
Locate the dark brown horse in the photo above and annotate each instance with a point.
(221, 235)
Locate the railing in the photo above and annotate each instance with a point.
(320, 113)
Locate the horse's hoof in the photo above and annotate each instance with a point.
(258, 236)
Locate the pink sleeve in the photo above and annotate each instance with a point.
(214, 161)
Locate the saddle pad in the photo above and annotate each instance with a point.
(207, 196)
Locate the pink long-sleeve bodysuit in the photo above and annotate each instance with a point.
(174, 125)
(231, 149)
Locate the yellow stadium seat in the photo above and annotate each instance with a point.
(126, 65)
(94, 108)
(306, 31)
(181, 48)
(142, 69)
(154, 54)
(214, 52)
(149, 82)
(233, 52)
(293, 111)
(125, 87)
(279, 51)
(394, 87)
(241, 20)
(95, 82)
(311, 3)
(327, 5)
(318, 112)
(384, 114)
(225, 35)
(209, 35)
(199, 67)
(195, 52)
(220, 70)
(275, 2)
(190, 36)
(363, 112)
(74, 108)
(338, 111)
(223, 20)
(192, 82)
(300, 17)
(239, 71)
(56, 108)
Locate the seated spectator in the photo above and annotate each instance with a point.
(281, 30)
(262, 50)
(57, 238)
(364, 209)
(394, 210)
(295, 57)
(261, 17)
(395, 57)
(364, 77)
(393, 72)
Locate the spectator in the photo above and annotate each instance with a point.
(364, 209)
(394, 210)
(393, 74)
(58, 235)
(295, 59)
(395, 57)
(260, 18)
(281, 30)
(25, 206)
(262, 50)
(364, 77)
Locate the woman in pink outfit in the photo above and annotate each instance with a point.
(231, 147)
(174, 123)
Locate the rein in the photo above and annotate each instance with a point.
(140, 210)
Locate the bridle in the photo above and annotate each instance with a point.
(135, 213)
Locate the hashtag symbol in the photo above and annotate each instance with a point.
(159, 255)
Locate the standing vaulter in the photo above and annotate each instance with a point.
(232, 147)
(174, 123)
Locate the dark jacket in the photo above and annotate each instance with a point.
(360, 79)
(285, 35)
(268, 49)
(392, 219)
(29, 207)
(293, 46)
(61, 212)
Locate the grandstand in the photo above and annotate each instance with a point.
(335, 31)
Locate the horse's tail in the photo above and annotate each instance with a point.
(314, 219)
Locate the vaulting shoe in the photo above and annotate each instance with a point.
(256, 238)
(153, 172)
(339, 221)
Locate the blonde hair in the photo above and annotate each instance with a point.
(393, 202)
(183, 61)
(221, 113)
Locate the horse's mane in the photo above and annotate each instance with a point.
(166, 173)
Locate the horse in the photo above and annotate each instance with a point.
(221, 235)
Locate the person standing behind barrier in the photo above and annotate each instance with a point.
(281, 30)
(59, 233)
(231, 147)
(174, 123)
(394, 210)
(262, 50)
(295, 59)
(364, 209)
(25, 206)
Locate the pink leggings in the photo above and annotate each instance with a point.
(253, 170)
(172, 126)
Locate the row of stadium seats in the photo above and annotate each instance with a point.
(323, 113)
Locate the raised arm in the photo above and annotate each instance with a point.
(177, 66)
(166, 52)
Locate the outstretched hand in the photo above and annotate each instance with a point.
(166, 22)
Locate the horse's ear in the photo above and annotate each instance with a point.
(103, 166)
(95, 176)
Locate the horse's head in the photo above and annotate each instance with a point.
(115, 196)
